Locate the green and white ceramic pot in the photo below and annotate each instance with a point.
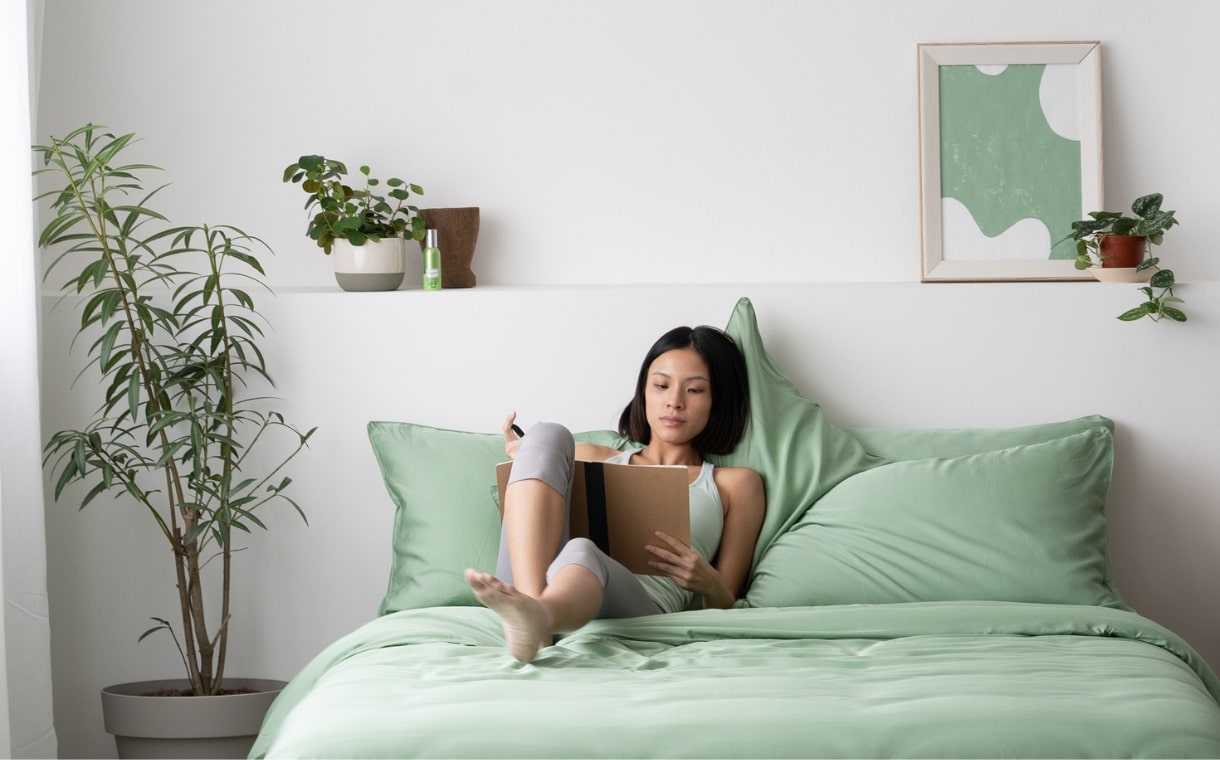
(376, 265)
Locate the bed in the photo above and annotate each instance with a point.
(915, 593)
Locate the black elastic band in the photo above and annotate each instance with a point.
(595, 498)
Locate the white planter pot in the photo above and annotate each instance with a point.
(376, 265)
(181, 727)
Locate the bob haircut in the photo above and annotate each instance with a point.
(730, 386)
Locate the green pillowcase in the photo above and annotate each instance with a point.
(1023, 524)
(914, 443)
(799, 455)
(446, 520)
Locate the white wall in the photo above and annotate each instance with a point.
(638, 165)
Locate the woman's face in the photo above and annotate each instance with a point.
(678, 395)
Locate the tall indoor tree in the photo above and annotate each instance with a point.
(173, 338)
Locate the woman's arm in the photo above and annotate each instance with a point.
(741, 492)
(510, 435)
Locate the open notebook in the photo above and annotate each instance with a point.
(621, 506)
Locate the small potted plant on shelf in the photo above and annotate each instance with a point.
(173, 336)
(1113, 247)
(365, 228)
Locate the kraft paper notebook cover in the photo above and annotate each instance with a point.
(630, 502)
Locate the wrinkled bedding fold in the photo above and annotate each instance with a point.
(983, 679)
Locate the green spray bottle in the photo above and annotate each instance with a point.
(432, 262)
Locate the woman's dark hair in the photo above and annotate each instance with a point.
(730, 387)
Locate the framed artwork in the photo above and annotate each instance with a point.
(1010, 156)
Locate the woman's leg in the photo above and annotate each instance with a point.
(620, 593)
(571, 601)
(535, 519)
(545, 583)
(583, 583)
(534, 528)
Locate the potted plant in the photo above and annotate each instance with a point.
(173, 337)
(1110, 240)
(365, 228)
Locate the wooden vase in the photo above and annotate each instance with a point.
(457, 232)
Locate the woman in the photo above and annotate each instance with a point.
(691, 399)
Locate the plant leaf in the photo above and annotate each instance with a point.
(1147, 205)
(1163, 278)
(1133, 314)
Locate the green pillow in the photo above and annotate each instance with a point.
(915, 443)
(442, 485)
(799, 455)
(445, 520)
(1023, 524)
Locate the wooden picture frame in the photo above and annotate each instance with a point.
(1010, 156)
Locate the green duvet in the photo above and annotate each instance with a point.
(949, 679)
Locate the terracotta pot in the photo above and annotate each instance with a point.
(1122, 251)
(180, 727)
(457, 232)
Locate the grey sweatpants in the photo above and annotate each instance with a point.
(548, 453)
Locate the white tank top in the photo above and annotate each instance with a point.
(706, 527)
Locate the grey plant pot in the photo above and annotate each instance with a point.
(186, 727)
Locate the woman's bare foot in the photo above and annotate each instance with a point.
(524, 619)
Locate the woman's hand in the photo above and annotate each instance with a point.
(682, 564)
(510, 438)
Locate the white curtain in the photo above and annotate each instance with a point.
(26, 724)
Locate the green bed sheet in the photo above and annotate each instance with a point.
(956, 679)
